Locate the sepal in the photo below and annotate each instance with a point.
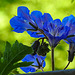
(71, 51)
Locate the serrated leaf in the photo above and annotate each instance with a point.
(7, 52)
(12, 55)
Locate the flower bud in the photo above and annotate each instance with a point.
(43, 49)
(71, 51)
(35, 46)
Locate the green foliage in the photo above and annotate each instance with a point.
(12, 55)
(72, 1)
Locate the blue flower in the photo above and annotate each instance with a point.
(70, 22)
(55, 31)
(71, 51)
(38, 63)
(29, 22)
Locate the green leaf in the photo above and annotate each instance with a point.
(22, 64)
(12, 55)
(0, 59)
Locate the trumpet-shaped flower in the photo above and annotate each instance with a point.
(39, 62)
(70, 22)
(55, 31)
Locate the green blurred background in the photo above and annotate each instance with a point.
(57, 9)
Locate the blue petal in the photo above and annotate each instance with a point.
(47, 17)
(36, 16)
(43, 58)
(23, 12)
(34, 34)
(72, 27)
(72, 30)
(17, 21)
(40, 58)
(53, 27)
(66, 21)
(72, 39)
(44, 64)
(73, 21)
(57, 22)
(45, 26)
(28, 69)
(19, 29)
(48, 34)
(70, 21)
(66, 32)
(28, 58)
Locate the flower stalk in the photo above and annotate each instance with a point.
(67, 65)
(52, 58)
(42, 69)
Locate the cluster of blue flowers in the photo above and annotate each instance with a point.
(40, 25)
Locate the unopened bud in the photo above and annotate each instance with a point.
(43, 49)
(71, 51)
(35, 46)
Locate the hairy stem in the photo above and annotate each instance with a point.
(67, 65)
(52, 58)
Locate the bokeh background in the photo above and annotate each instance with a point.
(57, 9)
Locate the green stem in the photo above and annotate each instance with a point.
(52, 58)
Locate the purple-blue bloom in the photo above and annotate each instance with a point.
(55, 31)
(70, 22)
(29, 22)
(39, 62)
